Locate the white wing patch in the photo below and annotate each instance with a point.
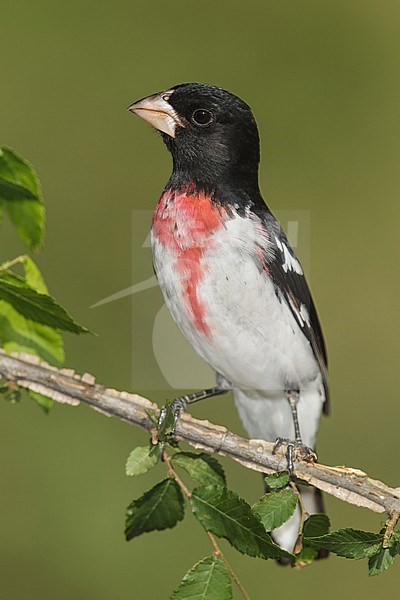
(304, 315)
(290, 262)
(301, 313)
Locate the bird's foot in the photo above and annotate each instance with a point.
(178, 406)
(295, 451)
(169, 414)
(169, 417)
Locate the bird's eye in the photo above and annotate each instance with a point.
(202, 117)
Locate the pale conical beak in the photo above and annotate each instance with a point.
(157, 111)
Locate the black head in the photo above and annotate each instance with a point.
(211, 134)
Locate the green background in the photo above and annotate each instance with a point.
(323, 80)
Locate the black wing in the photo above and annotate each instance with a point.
(291, 286)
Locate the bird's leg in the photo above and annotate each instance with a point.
(295, 449)
(293, 397)
(179, 405)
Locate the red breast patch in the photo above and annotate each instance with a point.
(185, 222)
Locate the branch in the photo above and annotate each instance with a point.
(66, 387)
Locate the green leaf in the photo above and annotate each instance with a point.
(37, 307)
(20, 188)
(18, 334)
(207, 580)
(33, 276)
(306, 556)
(277, 480)
(222, 512)
(141, 460)
(28, 219)
(316, 525)
(275, 508)
(202, 467)
(382, 560)
(350, 543)
(159, 508)
(18, 179)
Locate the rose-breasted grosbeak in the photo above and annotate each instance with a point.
(229, 277)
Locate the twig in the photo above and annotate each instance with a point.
(65, 386)
(234, 577)
(217, 549)
(174, 474)
(389, 528)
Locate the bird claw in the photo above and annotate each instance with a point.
(294, 451)
(167, 421)
(169, 414)
(178, 406)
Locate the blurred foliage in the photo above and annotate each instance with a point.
(22, 197)
(30, 319)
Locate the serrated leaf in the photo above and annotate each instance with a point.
(382, 560)
(316, 525)
(141, 460)
(20, 188)
(277, 480)
(350, 543)
(202, 467)
(207, 580)
(159, 508)
(37, 307)
(275, 508)
(223, 513)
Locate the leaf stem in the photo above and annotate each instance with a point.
(389, 527)
(10, 263)
(174, 474)
(217, 549)
(234, 577)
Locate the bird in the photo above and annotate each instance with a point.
(230, 278)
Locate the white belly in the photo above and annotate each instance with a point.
(253, 338)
